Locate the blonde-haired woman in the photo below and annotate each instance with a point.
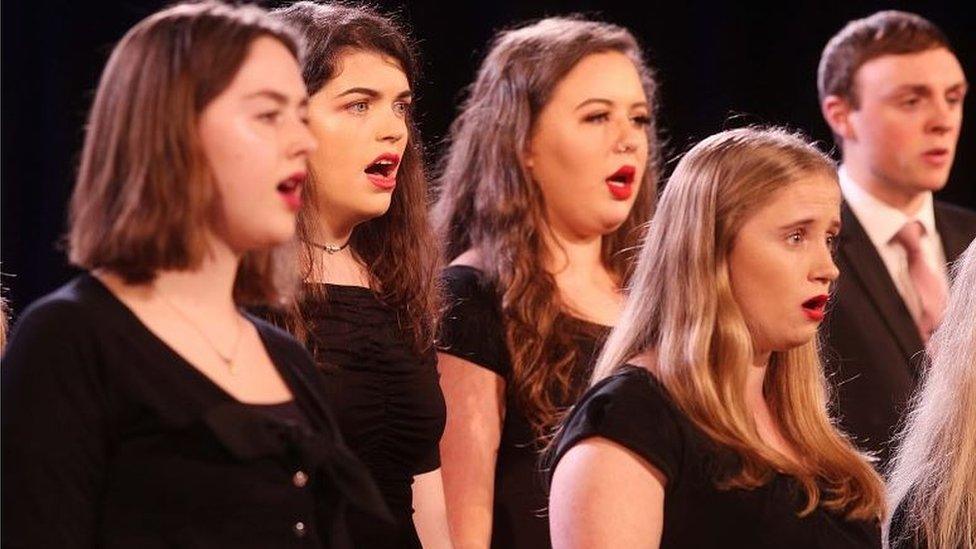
(933, 478)
(707, 423)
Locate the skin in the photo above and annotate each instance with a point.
(603, 495)
(253, 136)
(358, 115)
(593, 124)
(900, 140)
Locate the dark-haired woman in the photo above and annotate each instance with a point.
(536, 214)
(369, 265)
(141, 407)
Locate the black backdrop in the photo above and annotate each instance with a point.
(720, 66)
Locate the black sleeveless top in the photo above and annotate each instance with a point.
(387, 400)
(632, 409)
(472, 329)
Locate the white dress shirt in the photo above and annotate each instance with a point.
(881, 222)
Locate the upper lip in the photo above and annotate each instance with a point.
(296, 179)
(624, 174)
(384, 164)
(816, 302)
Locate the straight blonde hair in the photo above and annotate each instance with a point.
(681, 309)
(933, 474)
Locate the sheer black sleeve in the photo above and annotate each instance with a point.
(472, 327)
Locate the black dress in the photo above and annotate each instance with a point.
(900, 535)
(472, 329)
(387, 399)
(632, 409)
(111, 439)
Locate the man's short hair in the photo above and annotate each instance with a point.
(884, 33)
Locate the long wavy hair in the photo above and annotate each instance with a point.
(488, 201)
(399, 251)
(934, 471)
(682, 310)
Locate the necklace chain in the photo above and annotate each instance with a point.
(228, 360)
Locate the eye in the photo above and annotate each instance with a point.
(642, 120)
(832, 242)
(910, 102)
(270, 117)
(954, 99)
(401, 108)
(796, 237)
(359, 107)
(597, 117)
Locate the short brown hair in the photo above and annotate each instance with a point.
(884, 33)
(145, 194)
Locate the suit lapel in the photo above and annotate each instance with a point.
(954, 242)
(864, 266)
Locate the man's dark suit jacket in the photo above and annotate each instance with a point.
(873, 351)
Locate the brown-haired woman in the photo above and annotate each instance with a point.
(369, 264)
(707, 425)
(550, 171)
(141, 408)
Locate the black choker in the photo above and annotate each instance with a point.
(330, 248)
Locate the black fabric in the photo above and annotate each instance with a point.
(900, 536)
(873, 352)
(111, 439)
(632, 409)
(387, 399)
(472, 329)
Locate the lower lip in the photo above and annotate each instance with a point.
(293, 199)
(814, 314)
(384, 183)
(621, 192)
(936, 159)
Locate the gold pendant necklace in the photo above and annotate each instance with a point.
(227, 359)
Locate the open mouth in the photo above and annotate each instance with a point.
(291, 190)
(382, 171)
(621, 181)
(815, 306)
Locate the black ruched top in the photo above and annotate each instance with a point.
(386, 397)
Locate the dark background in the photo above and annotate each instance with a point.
(720, 66)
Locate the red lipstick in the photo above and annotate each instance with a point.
(815, 306)
(291, 190)
(621, 182)
(382, 171)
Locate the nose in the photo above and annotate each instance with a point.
(824, 269)
(301, 142)
(392, 129)
(945, 117)
(628, 137)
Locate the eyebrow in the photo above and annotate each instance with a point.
(606, 102)
(275, 96)
(923, 89)
(369, 92)
(834, 224)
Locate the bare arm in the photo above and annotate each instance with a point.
(430, 513)
(469, 447)
(605, 496)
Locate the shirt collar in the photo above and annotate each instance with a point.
(880, 220)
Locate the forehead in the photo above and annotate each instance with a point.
(937, 68)
(812, 196)
(369, 69)
(268, 65)
(606, 75)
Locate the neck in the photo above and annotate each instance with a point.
(574, 256)
(906, 201)
(333, 231)
(755, 380)
(210, 286)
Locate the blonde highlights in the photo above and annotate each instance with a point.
(682, 310)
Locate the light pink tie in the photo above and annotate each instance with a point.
(929, 286)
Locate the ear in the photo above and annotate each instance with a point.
(837, 111)
(527, 158)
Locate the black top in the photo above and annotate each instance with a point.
(387, 399)
(472, 329)
(900, 535)
(112, 439)
(632, 409)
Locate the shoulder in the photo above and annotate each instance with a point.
(956, 216)
(281, 344)
(72, 309)
(632, 409)
(466, 282)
